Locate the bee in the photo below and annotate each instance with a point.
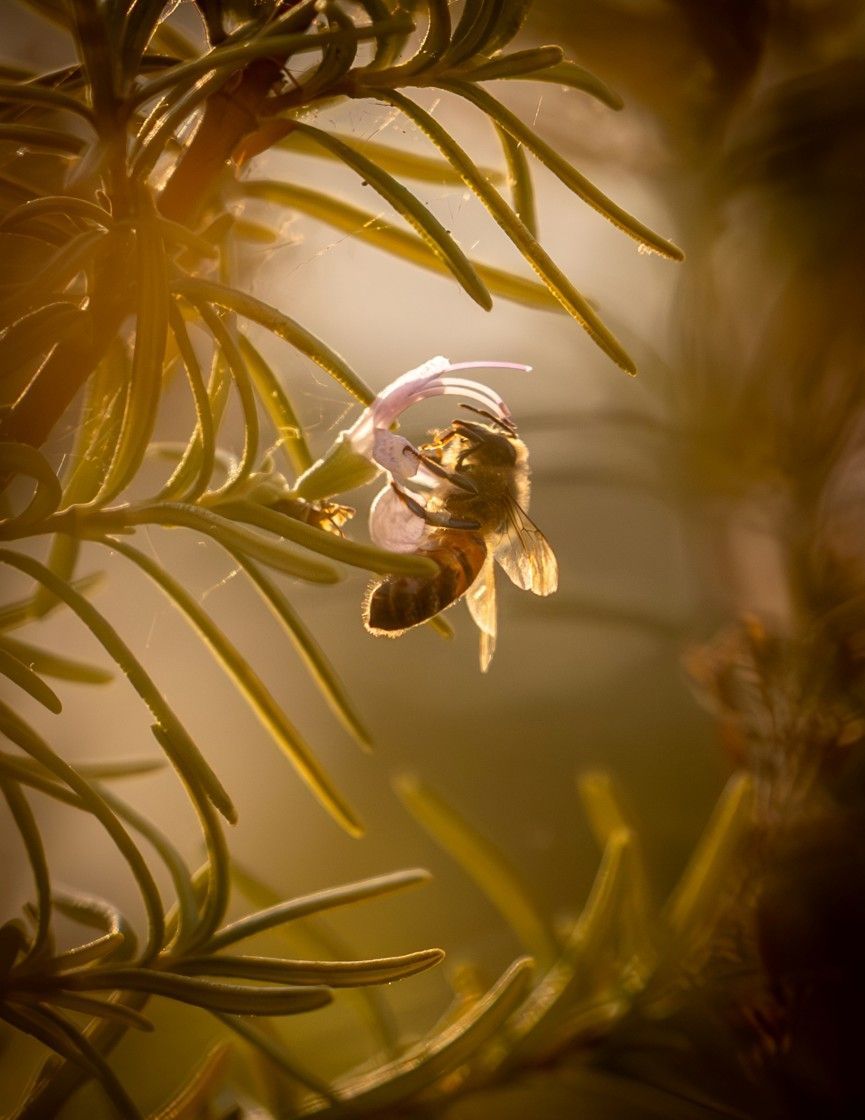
(476, 517)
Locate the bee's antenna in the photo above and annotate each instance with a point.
(500, 422)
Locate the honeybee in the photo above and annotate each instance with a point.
(474, 518)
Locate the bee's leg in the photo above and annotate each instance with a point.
(456, 479)
(441, 520)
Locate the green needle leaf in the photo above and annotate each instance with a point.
(473, 32)
(53, 665)
(484, 863)
(189, 480)
(185, 754)
(250, 686)
(272, 395)
(83, 908)
(195, 1096)
(33, 94)
(70, 206)
(33, 745)
(337, 57)
(55, 276)
(416, 214)
(55, 1031)
(572, 178)
(570, 74)
(275, 1052)
(435, 41)
(169, 115)
(520, 181)
(97, 436)
(398, 1081)
(214, 876)
(21, 674)
(21, 458)
(409, 165)
(283, 326)
(371, 228)
(186, 907)
(635, 932)
(310, 651)
(151, 332)
(236, 364)
(700, 884)
(102, 1009)
(41, 139)
(333, 974)
(517, 64)
(13, 615)
(94, 913)
(224, 531)
(32, 839)
(312, 938)
(119, 768)
(35, 333)
(235, 999)
(230, 58)
(589, 971)
(551, 275)
(62, 558)
(388, 47)
(296, 908)
(185, 238)
(508, 20)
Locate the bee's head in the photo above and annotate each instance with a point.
(497, 445)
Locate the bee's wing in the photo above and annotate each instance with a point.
(481, 598)
(525, 554)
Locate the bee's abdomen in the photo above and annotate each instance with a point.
(397, 603)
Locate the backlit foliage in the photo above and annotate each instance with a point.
(123, 200)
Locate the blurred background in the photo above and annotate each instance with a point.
(724, 480)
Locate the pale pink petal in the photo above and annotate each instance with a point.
(396, 455)
(370, 436)
(391, 402)
(475, 390)
(393, 525)
(396, 397)
(452, 367)
(429, 380)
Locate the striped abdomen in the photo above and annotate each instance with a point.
(397, 603)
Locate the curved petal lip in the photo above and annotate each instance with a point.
(393, 525)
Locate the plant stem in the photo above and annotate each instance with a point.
(229, 115)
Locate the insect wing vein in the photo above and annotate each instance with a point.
(481, 599)
(525, 553)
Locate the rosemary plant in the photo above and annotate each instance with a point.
(123, 204)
